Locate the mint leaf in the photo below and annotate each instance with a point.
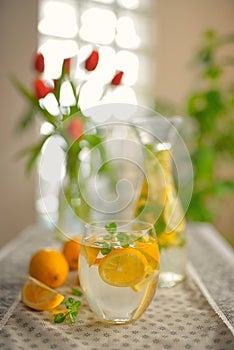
(59, 318)
(77, 304)
(112, 227)
(72, 305)
(69, 302)
(77, 292)
(106, 250)
(72, 316)
(124, 239)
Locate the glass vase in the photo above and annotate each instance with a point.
(73, 212)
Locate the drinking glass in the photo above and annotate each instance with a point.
(119, 269)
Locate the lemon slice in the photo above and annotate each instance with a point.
(123, 267)
(38, 296)
(151, 253)
(91, 254)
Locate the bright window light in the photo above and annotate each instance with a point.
(58, 19)
(98, 26)
(105, 1)
(126, 34)
(129, 4)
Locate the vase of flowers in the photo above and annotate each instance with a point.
(77, 132)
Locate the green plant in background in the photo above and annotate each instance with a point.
(210, 109)
(211, 104)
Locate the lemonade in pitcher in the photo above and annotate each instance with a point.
(159, 204)
(119, 269)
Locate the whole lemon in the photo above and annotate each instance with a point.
(50, 267)
(71, 251)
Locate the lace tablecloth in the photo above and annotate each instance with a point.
(196, 314)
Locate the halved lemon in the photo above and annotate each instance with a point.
(38, 296)
(123, 267)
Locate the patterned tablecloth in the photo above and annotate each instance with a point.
(196, 314)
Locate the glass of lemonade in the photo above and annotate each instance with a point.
(119, 269)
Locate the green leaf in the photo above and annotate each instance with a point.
(124, 245)
(124, 239)
(77, 292)
(203, 161)
(105, 251)
(105, 247)
(34, 102)
(123, 236)
(221, 188)
(72, 316)
(27, 119)
(160, 225)
(213, 72)
(112, 227)
(24, 91)
(72, 307)
(69, 303)
(77, 304)
(74, 92)
(59, 318)
(198, 210)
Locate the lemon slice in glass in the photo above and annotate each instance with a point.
(123, 267)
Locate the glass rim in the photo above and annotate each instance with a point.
(96, 224)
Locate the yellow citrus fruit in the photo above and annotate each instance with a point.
(148, 279)
(50, 267)
(71, 251)
(151, 253)
(169, 238)
(91, 254)
(123, 267)
(38, 296)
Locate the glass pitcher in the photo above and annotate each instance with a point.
(159, 201)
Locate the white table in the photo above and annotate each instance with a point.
(196, 314)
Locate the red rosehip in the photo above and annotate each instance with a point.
(41, 88)
(92, 61)
(75, 129)
(39, 63)
(117, 78)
